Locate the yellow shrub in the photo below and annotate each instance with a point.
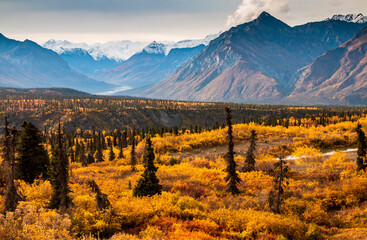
(307, 155)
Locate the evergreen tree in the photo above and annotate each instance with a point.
(32, 160)
(124, 139)
(12, 197)
(250, 156)
(132, 155)
(82, 156)
(60, 175)
(72, 155)
(276, 195)
(99, 151)
(121, 152)
(90, 158)
(175, 130)
(111, 156)
(232, 177)
(102, 140)
(362, 149)
(148, 184)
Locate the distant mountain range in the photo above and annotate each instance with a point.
(262, 61)
(254, 62)
(148, 66)
(90, 59)
(356, 18)
(28, 65)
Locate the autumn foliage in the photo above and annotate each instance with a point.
(323, 194)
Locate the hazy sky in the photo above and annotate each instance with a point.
(147, 20)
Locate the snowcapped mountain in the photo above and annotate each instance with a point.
(191, 43)
(355, 18)
(148, 66)
(118, 51)
(123, 50)
(155, 48)
(81, 61)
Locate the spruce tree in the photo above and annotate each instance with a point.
(121, 152)
(90, 158)
(82, 156)
(132, 155)
(362, 149)
(250, 156)
(72, 155)
(60, 175)
(12, 197)
(111, 156)
(99, 151)
(276, 195)
(148, 184)
(232, 177)
(32, 160)
(124, 139)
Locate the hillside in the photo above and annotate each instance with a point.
(81, 61)
(148, 66)
(254, 62)
(8, 93)
(337, 77)
(28, 65)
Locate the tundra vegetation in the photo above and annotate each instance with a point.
(266, 179)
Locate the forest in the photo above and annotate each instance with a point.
(227, 171)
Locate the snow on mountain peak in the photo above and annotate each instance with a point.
(122, 50)
(356, 18)
(119, 50)
(155, 48)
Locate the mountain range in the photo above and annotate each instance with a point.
(256, 62)
(262, 61)
(27, 65)
(91, 59)
(148, 66)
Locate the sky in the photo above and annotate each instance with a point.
(93, 21)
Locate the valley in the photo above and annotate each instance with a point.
(170, 120)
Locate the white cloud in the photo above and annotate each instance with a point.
(249, 9)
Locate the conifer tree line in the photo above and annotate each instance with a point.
(136, 111)
(26, 158)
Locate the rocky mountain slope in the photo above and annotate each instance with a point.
(81, 61)
(337, 77)
(253, 62)
(148, 66)
(28, 65)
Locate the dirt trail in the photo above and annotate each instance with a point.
(240, 148)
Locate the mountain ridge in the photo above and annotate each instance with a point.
(268, 49)
(339, 76)
(26, 64)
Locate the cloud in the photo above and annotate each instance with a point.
(249, 9)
